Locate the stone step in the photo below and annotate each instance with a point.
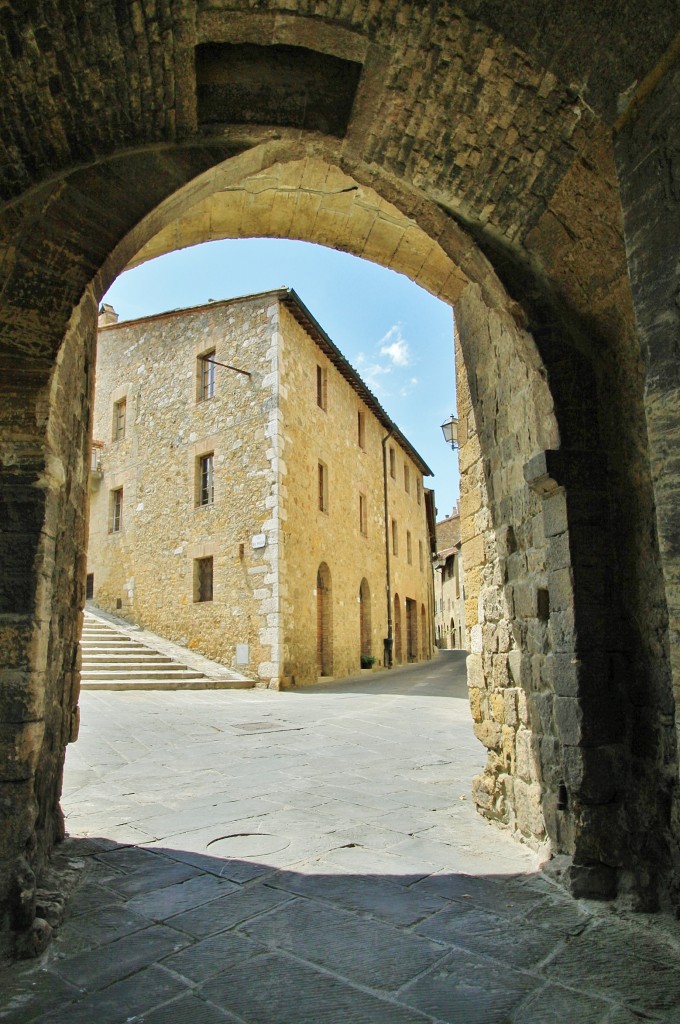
(141, 671)
(112, 659)
(148, 657)
(202, 683)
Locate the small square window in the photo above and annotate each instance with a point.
(361, 430)
(363, 514)
(119, 413)
(116, 511)
(205, 376)
(322, 387)
(323, 487)
(205, 479)
(203, 579)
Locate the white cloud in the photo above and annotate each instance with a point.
(409, 387)
(395, 347)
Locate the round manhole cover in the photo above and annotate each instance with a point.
(247, 844)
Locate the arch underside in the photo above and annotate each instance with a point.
(486, 174)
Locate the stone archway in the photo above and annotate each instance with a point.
(484, 150)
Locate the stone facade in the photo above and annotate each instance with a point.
(449, 585)
(165, 417)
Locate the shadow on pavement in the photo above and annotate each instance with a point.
(171, 936)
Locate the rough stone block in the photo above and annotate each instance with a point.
(555, 515)
(475, 671)
(528, 812)
(569, 720)
(488, 733)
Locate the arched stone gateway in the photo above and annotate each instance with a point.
(526, 177)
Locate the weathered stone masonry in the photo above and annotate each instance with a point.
(528, 176)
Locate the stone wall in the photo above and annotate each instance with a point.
(44, 462)
(505, 417)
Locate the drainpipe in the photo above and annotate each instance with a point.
(388, 576)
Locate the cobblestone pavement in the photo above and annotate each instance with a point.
(314, 858)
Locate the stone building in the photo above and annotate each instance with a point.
(238, 506)
(449, 591)
(527, 177)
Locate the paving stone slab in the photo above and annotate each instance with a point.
(189, 1009)
(151, 877)
(212, 955)
(488, 893)
(469, 989)
(230, 910)
(392, 903)
(28, 994)
(617, 960)
(100, 967)
(122, 1001)
(275, 989)
(102, 925)
(362, 950)
(554, 1004)
(512, 942)
(175, 899)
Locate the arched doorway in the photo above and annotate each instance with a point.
(398, 652)
(365, 636)
(425, 651)
(559, 311)
(324, 621)
(452, 634)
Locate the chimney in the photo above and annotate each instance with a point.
(107, 315)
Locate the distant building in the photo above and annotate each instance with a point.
(448, 584)
(251, 499)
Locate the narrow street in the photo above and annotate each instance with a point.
(314, 856)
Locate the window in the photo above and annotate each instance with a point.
(205, 491)
(421, 556)
(409, 548)
(393, 464)
(361, 430)
(395, 544)
(116, 511)
(206, 375)
(321, 387)
(363, 514)
(323, 487)
(407, 479)
(119, 420)
(203, 579)
(419, 490)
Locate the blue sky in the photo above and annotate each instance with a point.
(398, 337)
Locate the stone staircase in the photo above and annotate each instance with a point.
(113, 659)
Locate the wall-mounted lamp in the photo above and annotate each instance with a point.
(450, 431)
